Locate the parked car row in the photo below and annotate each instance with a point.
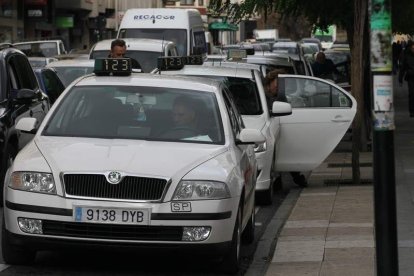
(174, 158)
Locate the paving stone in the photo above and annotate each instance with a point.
(309, 231)
(350, 244)
(335, 231)
(366, 255)
(294, 269)
(346, 269)
(299, 251)
(306, 223)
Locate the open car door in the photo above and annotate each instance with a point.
(322, 112)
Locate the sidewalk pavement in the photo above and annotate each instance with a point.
(330, 229)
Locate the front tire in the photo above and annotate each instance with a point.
(248, 232)
(231, 261)
(13, 254)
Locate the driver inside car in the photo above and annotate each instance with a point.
(184, 119)
(184, 113)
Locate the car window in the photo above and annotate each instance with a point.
(235, 118)
(132, 112)
(244, 93)
(54, 86)
(309, 93)
(69, 74)
(21, 72)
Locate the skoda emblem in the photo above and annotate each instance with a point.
(114, 177)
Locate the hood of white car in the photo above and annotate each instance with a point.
(149, 158)
(254, 121)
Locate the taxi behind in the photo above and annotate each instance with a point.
(108, 166)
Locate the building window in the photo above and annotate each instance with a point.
(6, 34)
(6, 8)
(201, 3)
(187, 2)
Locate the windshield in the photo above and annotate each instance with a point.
(244, 92)
(147, 60)
(69, 74)
(44, 49)
(137, 112)
(179, 37)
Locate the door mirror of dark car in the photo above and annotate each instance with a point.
(26, 95)
(28, 125)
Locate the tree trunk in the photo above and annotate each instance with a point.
(357, 80)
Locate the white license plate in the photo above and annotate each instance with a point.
(111, 215)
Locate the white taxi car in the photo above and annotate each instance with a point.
(118, 162)
(319, 115)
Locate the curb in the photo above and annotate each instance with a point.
(267, 244)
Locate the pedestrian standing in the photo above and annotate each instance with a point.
(407, 74)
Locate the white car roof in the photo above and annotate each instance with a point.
(37, 41)
(72, 62)
(212, 71)
(137, 44)
(285, 44)
(153, 80)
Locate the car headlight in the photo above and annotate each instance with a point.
(33, 182)
(198, 190)
(260, 147)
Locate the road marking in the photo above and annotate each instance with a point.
(258, 224)
(3, 267)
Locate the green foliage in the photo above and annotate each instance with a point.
(319, 12)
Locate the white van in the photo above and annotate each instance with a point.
(41, 48)
(182, 26)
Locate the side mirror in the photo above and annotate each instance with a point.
(281, 109)
(27, 125)
(26, 95)
(250, 136)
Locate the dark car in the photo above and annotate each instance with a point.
(49, 82)
(20, 97)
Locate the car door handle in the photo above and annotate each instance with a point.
(340, 119)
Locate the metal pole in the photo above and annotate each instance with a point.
(383, 138)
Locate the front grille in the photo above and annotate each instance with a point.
(131, 187)
(112, 231)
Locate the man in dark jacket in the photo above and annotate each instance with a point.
(118, 50)
(407, 73)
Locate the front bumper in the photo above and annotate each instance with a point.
(47, 243)
(165, 227)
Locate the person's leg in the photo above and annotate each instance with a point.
(411, 97)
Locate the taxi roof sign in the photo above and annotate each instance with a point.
(113, 66)
(237, 54)
(177, 63)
